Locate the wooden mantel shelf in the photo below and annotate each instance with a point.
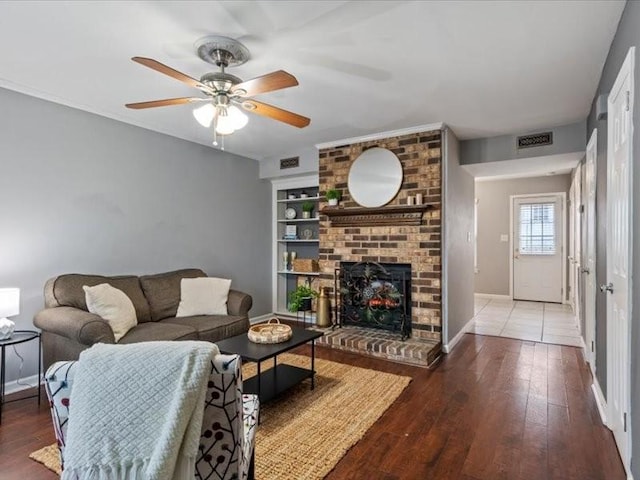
(392, 215)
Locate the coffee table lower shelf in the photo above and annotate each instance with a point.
(274, 381)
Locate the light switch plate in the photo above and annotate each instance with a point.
(504, 237)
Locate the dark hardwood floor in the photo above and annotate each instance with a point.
(495, 408)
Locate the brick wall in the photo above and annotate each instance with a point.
(420, 155)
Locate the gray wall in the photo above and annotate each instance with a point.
(458, 210)
(493, 220)
(83, 193)
(566, 139)
(627, 35)
(309, 163)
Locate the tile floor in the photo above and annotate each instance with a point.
(535, 321)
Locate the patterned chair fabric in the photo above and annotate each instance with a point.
(228, 426)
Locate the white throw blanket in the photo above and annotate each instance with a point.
(136, 410)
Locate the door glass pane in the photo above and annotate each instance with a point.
(537, 229)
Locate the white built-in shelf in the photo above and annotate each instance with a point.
(306, 274)
(294, 200)
(298, 220)
(300, 240)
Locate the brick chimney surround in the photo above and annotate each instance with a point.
(388, 234)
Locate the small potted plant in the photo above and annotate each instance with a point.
(300, 298)
(333, 196)
(307, 207)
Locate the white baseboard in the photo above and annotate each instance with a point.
(447, 347)
(261, 318)
(600, 401)
(492, 296)
(14, 386)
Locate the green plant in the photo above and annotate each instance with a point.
(333, 194)
(297, 297)
(307, 206)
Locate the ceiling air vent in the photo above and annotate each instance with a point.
(292, 162)
(535, 140)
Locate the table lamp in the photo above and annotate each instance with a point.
(9, 306)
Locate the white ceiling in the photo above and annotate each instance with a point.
(484, 68)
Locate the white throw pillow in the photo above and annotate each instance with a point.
(113, 305)
(203, 296)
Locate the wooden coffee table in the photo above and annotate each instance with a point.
(281, 377)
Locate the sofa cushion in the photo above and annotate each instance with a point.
(68, 291)
(154, 331)
(203, 296)
(114, 306)
(163, 291)
(212, 328)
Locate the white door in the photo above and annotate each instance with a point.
(575, 258)
(620, 113)
(589, 262)
(537, 253)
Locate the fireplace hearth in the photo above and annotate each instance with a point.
(374, 295)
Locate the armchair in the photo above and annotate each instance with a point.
(230, 418)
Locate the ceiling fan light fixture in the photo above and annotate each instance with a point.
(204, 114)
(224, 125)
(239, 120)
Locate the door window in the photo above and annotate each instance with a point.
(537, 229)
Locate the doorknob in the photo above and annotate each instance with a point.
(586, 270)
(606, 288)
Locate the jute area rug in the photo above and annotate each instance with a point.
(304, 433)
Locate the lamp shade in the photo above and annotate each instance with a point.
(204, 114)
(9, 302)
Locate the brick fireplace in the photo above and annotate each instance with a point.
(391, 242)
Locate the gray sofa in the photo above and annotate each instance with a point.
(68, 328)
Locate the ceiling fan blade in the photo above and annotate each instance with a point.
(266, 83)
(162, 68)
(165, 103)
(276, 113)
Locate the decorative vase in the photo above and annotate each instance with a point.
(306, 214)
(333, 202)
(6, 328)
(323, 317)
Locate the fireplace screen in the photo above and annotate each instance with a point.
(374, 295)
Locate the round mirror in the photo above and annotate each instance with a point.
(375, 177)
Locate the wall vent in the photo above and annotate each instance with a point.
(535, 140)
(292, 162)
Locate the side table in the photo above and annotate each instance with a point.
(19, 336)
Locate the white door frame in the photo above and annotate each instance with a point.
(590, 213)
(563, 213)
(626, 71)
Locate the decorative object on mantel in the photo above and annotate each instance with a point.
(410, 200)
(270, 332)
(307, 208)
(393, 215)
(333, 196)
(9, 306)
(418, 199)
(375, 177)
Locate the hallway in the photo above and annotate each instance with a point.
(533, 321)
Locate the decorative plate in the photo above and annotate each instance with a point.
(290, 213)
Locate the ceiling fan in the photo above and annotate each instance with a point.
(225, 92)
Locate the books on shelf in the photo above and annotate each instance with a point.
(290, 237)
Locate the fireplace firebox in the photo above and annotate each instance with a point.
(374, 295)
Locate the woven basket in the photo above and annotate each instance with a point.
(271, 332)
(305, 265)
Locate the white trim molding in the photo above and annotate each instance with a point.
(447, 347)
(380, 135)
(261, 318)
(27, 382)
(600, 401)
(492, 296)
